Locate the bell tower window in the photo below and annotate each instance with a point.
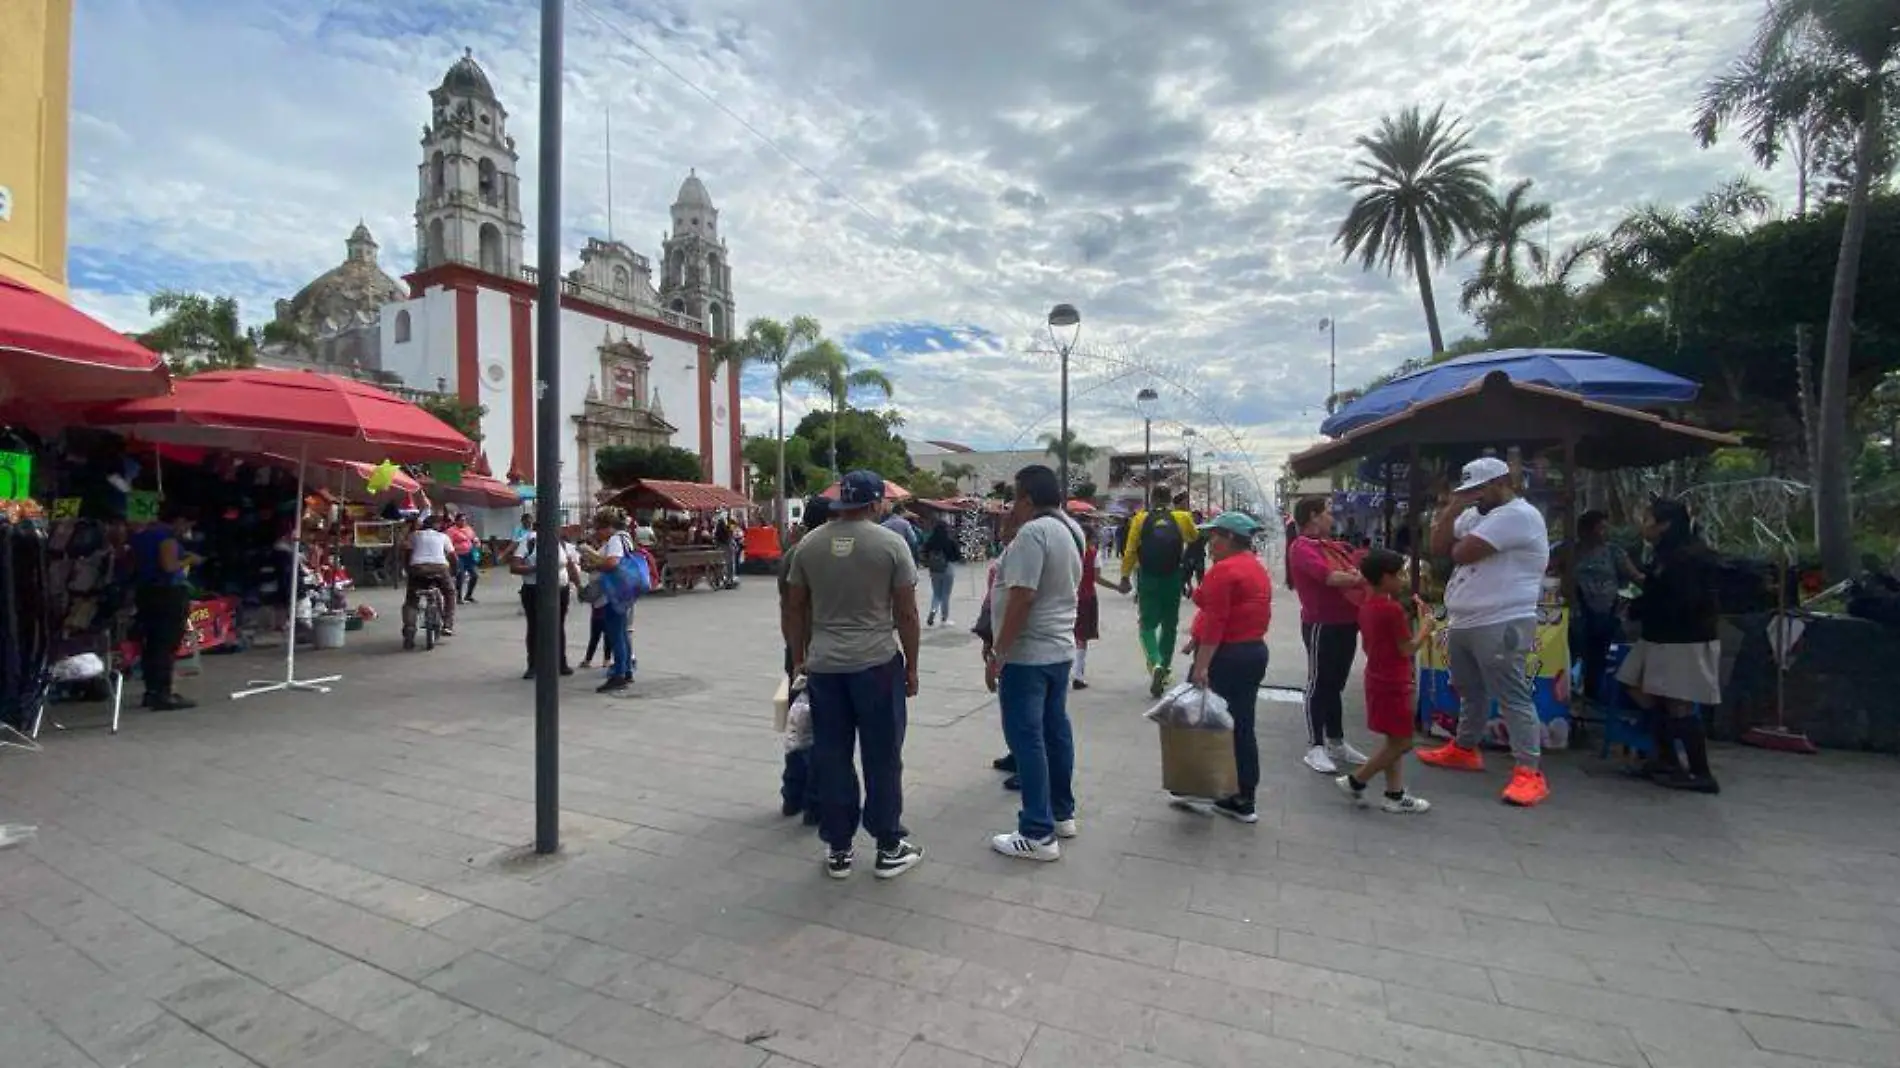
(485, 183)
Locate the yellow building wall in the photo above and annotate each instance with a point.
(36, 47)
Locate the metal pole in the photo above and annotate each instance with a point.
(1148, 460)
(1190, 471)
(1064, 451)
(548, 568)
(1332, 364)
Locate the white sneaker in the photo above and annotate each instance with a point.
(1067, 829)
(1344, 782)
(1015, 845)
(1321, 761)
(1407, 805)
(948, 622)
(1344, 755)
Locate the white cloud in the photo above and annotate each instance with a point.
(1166, 169)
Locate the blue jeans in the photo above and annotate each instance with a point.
(865, 707)
(1035, 700)
(941, 582)
(619, 645)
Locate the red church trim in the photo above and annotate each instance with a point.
(520, 317)
(459, 275)
(705, 415)
(732, 432)
(468, 364)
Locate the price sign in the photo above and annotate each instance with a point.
(16, 476)
(66, 508)
(141, 506)
(446, 474)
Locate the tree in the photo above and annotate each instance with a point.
(803, 477)
(619, 465)
(1538, 312)
(464, 417)
(828, 369)
(1502, 233)
(1081, 454)
(958, 473)
(866, 440)
(1653, 240)
(770, 343)
(205, 333)
(1421, 191)
(1848, 51)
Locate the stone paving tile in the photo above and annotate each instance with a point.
(298, 883)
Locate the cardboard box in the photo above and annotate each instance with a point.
(1197, 763)
(781, 705)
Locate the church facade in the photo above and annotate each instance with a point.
(636, 349)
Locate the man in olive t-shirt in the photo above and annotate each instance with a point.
(851, 598)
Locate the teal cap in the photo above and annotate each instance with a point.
(1237, 523)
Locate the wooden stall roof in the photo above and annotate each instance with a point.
(1497, 411)
(677, 496)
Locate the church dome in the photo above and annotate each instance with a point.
(349, 294)
(467, 78)
(693, 193)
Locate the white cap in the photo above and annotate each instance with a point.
(1482, 470)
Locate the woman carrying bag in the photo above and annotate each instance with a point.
(1228, 643)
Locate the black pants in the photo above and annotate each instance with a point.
(1236, 673)
(864, 710)
(162, 614)
(528, 609)
(596, 631)
(1591, 635)
(1330, 648)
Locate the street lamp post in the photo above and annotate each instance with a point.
(1065, 317)
(1187, 447)
(1331, 326)
(1144, 403)
(547, 353)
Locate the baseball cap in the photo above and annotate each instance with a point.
(860, 489)
(1480, 471)
(1237, 523)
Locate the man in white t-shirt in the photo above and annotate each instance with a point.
(1500, 547)
(430, 564)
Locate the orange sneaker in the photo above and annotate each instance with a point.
(1454, 756)
(1527, 788)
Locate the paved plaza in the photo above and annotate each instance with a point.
(310, 882)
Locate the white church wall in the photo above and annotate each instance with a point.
(428, 357)
(494, 361)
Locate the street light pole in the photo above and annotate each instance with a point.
(1144, 403)
(1064, 316)
(1187, 447)
(1331, 326)
(549, 560)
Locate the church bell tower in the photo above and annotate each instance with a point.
(696, 278)
(468, 208)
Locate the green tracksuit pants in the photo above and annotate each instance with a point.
(1158, 601)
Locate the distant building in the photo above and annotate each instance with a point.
(337, 318)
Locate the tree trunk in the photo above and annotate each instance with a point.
(1833, 509)
(1422, 270)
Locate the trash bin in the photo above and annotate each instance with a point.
(327, 631)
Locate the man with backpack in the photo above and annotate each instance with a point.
(1156, 557)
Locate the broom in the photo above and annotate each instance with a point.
(1778, 737)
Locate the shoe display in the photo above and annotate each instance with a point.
(1015, 845)
(1321, 761)
(1453, 756)
(1527, 788)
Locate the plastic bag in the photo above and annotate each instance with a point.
(79, 668)
(798, 725)
(1193, 707)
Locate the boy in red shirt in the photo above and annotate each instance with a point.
(1391, 681)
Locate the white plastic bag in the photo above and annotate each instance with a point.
(79, 668)
(1192, 707)
(798, 724)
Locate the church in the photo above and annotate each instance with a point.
(636, 350)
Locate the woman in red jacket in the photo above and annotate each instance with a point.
(1228, 642)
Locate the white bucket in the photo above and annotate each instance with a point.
(327, 632)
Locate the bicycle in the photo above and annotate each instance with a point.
(429, 603)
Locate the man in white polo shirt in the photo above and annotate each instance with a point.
(1500, 547)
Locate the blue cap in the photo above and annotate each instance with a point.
(860, 489)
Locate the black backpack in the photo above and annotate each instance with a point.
(1161, 546)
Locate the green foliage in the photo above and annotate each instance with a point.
(866, 440)
(964, 475)
(465, 418)
(929, 485)
(200, 333)
(1080, 453)
(619, 465)
(802, 476)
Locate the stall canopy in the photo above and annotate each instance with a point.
(51, 354)
(477, 490)
(892, 491)
(1590, 375)
(647, 493)
(1495, 410)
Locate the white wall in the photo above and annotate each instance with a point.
(496, 349)
(429, 353)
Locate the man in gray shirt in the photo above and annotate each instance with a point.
(1037, 583)
(851, 598)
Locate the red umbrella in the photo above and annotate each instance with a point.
(51, 353)
(300, 413)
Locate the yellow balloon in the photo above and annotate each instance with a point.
(380, 478)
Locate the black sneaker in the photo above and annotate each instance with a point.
(528, 674)
(1006, 762)
(1014, 782)
(567, 669)
(838, 865)
(892, 863)
(1237, 808)
(1689, 781)
(614, 684)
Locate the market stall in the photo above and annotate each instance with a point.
(1550, 434)
(684, 548)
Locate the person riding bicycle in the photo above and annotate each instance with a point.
(431, 566)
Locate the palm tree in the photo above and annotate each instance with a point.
(1849, 52)
(1079, 453)
(768, 342)
(1422, 190)
(1541, 310)
(1502, 233)
(957, 472)
(828, 369)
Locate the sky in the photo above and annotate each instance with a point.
(926, 179)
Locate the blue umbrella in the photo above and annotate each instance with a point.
(1592, 375)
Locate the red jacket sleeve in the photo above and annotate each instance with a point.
(1309, 564)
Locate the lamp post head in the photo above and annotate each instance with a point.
(1144, 402)
(1064, 315)
(1326, 324)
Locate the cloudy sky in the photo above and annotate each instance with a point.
(925, 178)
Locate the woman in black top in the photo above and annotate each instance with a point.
(1674, 668)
